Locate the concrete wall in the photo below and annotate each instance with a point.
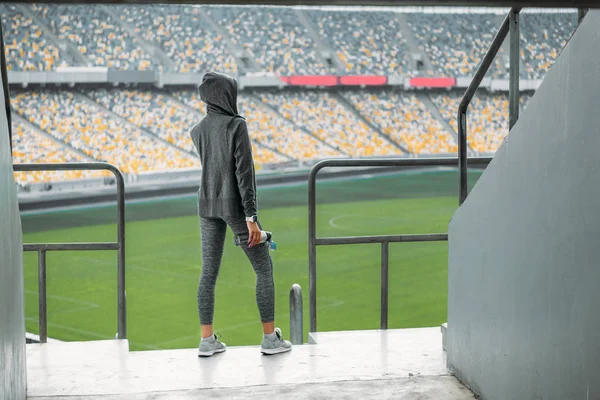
(12, 323)
(524, 249)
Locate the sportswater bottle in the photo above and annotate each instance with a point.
(265, 236)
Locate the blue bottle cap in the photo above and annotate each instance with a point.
(273, 245)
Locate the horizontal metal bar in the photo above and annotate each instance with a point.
(65, 167)
(353, 3)
(330, 241)
(398, 162)
(70, 246)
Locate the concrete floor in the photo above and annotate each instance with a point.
(399, 364)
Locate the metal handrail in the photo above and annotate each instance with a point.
(581, 14)
(384, 240)
(510, 23)
(119, 245)
(296, 317)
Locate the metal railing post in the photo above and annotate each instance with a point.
(312, 248)
(384, 284)
(384, 240)
(513, 72)
(296, 316)
(119, 245)
(462, 156)
(482, 69)
(42, 305)
(121, 294)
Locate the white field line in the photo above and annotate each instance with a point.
(333, 224)
(86, 305)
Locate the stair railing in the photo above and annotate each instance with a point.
(509, 24)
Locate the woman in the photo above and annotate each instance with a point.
(227, 196)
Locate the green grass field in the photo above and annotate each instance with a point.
(163, 263)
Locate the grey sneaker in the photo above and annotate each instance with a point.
(209, 347)
(276, 346)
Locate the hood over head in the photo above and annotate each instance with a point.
(219, 92)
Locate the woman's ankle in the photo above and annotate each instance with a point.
(206, 331)
(268, 327)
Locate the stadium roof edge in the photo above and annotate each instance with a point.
(422, 3)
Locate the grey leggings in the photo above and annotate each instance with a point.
(212, 231)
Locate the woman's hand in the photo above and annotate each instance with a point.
(253, 234)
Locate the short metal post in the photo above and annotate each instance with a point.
(43, 321)
(513, 72)
(384, 284)
(296, 316)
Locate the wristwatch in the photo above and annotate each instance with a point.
(252, 219)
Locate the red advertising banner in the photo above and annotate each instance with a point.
(367, 80)
(432, 82)
(311, 80)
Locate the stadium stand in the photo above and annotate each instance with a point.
(96, 35)
(181, 33)
(273, 36)
(32, 147)
(285, 125)
(150, 110)
(267, 127)
(367, 43)
(329, 120)
(456, 43)
(264, 127)
(26, 46)
(487, 117)
(542, 38)
(405, 118)
(191, 98)
(94, 132)
(158, 113)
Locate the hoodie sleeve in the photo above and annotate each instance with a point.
(244, 169)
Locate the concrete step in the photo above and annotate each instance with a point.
(410, 361)
(415, 388)
(73, 354)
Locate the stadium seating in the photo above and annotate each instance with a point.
(405, 119)
(32, 147)
(367, 42)
(150, 110)
(161, 114)
(456, 43)
(183, 35)
(487, 118)
(273, 36)
(190, 98)
(263, 133)
(328, 119)
(96, 133)
(25, 44)
(96, 35)
(542, 38)
(266, 127)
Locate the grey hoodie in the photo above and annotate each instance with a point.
(228, 185)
